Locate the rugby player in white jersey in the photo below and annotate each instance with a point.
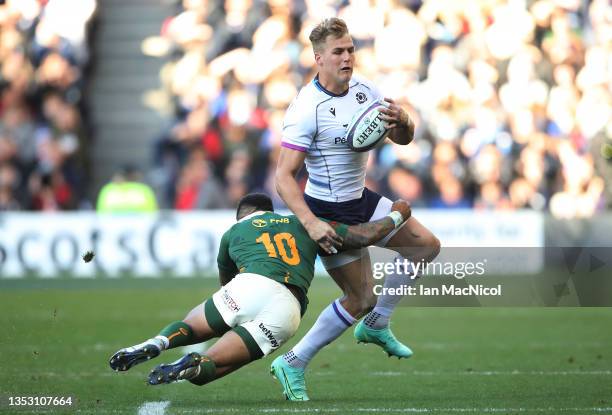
(314, 127)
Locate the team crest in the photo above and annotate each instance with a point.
(361, 97)
(259, 223)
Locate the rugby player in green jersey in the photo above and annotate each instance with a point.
(266, 264)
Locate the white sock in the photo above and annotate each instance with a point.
(378, 318)
(156, 341)
(332, 322)
(162, 341)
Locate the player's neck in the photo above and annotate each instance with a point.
(250, 215)
(330, 86)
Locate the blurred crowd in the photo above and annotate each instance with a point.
(511, 98)
(43, 55)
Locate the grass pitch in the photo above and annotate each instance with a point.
(57, 337)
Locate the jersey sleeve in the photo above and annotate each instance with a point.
(299, 126)
(224, 261)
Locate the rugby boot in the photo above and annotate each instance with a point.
(291, 379)
(184, 368)
(124, 359)
(382, 337)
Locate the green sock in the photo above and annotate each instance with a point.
(177, 334)
(208, 372)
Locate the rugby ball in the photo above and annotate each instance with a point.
(367, 128)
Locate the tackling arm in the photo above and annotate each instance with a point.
(366, 234)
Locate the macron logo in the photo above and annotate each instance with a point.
(333, 111)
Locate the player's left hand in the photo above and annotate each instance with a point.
(394, 115)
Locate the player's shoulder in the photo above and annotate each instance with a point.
(288, 219)
(308, 98)
(359, 81)
(231, 229)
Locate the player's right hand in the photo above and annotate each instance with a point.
(402, 207)
(325, 235)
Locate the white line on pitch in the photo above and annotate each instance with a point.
(153, 408)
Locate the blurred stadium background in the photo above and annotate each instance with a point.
(512, 99)
(133, 127)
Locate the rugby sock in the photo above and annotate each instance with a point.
(202, 374)
(293, 360)
(332, 322)
(176, 334)
(378, 318)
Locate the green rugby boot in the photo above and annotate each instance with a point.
(384, 338)
(290, 378)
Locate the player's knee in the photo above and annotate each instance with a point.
(434, 247)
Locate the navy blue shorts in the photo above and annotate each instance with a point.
(350, 212)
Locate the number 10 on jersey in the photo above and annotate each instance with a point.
(277, 247)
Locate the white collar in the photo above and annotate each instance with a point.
(256, 213)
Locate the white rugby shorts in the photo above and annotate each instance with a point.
(265, 308)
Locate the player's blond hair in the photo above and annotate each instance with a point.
(330, 26)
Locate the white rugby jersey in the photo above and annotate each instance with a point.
(316, 123)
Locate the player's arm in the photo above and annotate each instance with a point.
(400, 124)
(290, 161)
(227, 267)
(366, 234)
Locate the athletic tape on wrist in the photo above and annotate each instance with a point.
(397, 218)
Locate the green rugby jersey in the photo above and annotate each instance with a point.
(274, 246)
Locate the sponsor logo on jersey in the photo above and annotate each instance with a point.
(229, 302)
(268, 333)
(361, 97)
(333, 111)
(341, 140)
(259, 223)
